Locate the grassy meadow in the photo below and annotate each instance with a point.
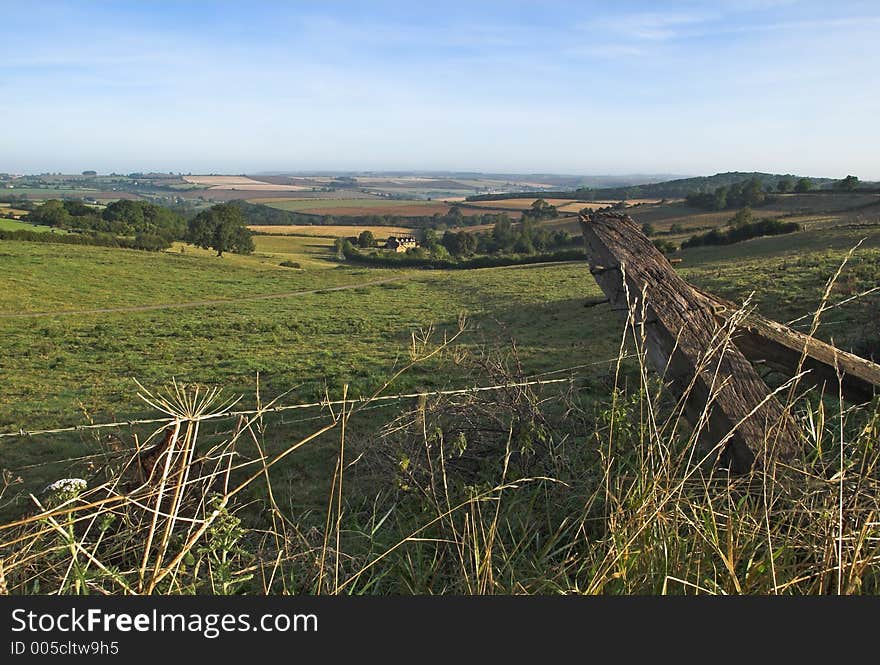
(15, 225)
(57, 368)
(80, 324)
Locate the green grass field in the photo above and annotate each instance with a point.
(62, 370)
(355, 336)
(15, 225)
(52, 192)
(309, 251)
(191, 316)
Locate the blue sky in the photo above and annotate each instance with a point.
(564, 87)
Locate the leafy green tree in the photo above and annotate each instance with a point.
(468, 243)
(665, 246)
(741, 218)
(459, 243)
(124, 216)
(540, 209)
(560, 238)
(430, 240)
(648, 229)
(439, 252)
(221, 228)
(339, 247)
(366, 239)
(784, 185)
(132, 217)
(51, 213)
(502, 233)
(524, 245)
(803, 185)
(753, 193)
(77, 208)
(848, 184)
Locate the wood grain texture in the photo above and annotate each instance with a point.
(693, 354)
(786, 350)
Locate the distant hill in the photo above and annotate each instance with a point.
(566, 181)
(591, 181)
(670, 189)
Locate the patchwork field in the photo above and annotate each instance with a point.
(362, 206)
(563, 205)
(332, 231)
(239, 183)
(57, 362)
(520, 204)
(6, 209)
(309, 252)
(823, 202)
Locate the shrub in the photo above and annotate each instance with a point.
(765, 227)
(665, 246)
(145, 242)
(388, 260)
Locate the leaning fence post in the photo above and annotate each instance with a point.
(682, 341)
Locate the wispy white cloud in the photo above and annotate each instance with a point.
(646, 26)
(581, 88)
(604, 50)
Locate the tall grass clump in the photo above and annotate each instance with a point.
(600, 487)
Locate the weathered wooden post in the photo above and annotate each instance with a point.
(685, 346)
(789, 351)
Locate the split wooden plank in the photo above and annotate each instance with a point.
(786, 350)
(687, 347)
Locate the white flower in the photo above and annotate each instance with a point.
(72, 486)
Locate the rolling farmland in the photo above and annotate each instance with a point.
(301, 323)
(362, 206)
(240, 183)
(332, 231)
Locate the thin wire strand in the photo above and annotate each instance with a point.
(835, 305)
(288, 407)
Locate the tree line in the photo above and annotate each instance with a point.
(143, 225)
(152, 225)
(684, 187)
(419, 258)
(141, 242)
(263, 215)
(742, 227)
(525, 238)
(754, 192)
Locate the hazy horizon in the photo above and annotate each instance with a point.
(778, 86)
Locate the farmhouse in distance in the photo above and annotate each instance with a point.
(401, 243)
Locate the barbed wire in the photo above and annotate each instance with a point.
(532, 380)
(835, 305)
(286, 407)
(326, 403)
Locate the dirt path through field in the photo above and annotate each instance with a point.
(200, 303)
